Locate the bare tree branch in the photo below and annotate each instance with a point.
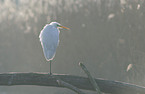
(92, 80)
(43, 79)
(69, 86)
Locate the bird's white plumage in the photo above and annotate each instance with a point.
(49, 38)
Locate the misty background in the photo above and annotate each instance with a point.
(108, 36)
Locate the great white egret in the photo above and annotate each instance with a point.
(49, 38)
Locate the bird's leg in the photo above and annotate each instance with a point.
(50, 67)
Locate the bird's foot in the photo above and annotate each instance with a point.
(50, 74)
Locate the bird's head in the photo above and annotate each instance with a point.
(57, 25)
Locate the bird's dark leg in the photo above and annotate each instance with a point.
(50, 67)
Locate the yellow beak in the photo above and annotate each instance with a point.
(64, 27)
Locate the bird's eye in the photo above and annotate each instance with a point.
(58, 25)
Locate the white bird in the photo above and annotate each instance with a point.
(49, 38)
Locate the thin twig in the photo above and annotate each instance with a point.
(93, 82)
(69, 86)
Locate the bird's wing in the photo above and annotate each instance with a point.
(49, 38)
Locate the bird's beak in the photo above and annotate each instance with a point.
(64, 27)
